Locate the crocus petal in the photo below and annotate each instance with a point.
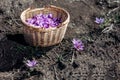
(74, 41)
(45, 25)
(99, 20)
(78, 44)
(34, 62)
(50, 15)
(31, 63)
(28, 64)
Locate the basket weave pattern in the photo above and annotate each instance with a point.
(41, 36)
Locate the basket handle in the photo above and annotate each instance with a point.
(48, 6)
(45, 6)
(32, 6)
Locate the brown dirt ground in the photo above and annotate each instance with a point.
(99, 61)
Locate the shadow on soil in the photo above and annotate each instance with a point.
(19, 38)
(15, 49)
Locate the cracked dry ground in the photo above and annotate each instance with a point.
(100, 59)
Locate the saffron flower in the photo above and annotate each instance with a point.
(99, 20)
(44, 21)
(31, 63)
(78, 44)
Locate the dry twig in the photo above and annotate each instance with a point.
(72, 60)
(115, 9)
(55, 73)
(107, 29)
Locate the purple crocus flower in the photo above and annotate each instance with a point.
(31, 63)
(30, 21)
(45, 25)
(50, 15)
(99, 20)
(44, 21)
(78, 44)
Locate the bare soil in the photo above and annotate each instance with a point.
(100, 60)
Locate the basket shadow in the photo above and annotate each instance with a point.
(19, 38)
(9, 56)
(12, 52)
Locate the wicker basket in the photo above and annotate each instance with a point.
(41, 36)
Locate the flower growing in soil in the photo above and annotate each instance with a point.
(99, 20)
(44, 21)
(31, 63)
(78, 44)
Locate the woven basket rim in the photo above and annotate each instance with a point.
(44, 29)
